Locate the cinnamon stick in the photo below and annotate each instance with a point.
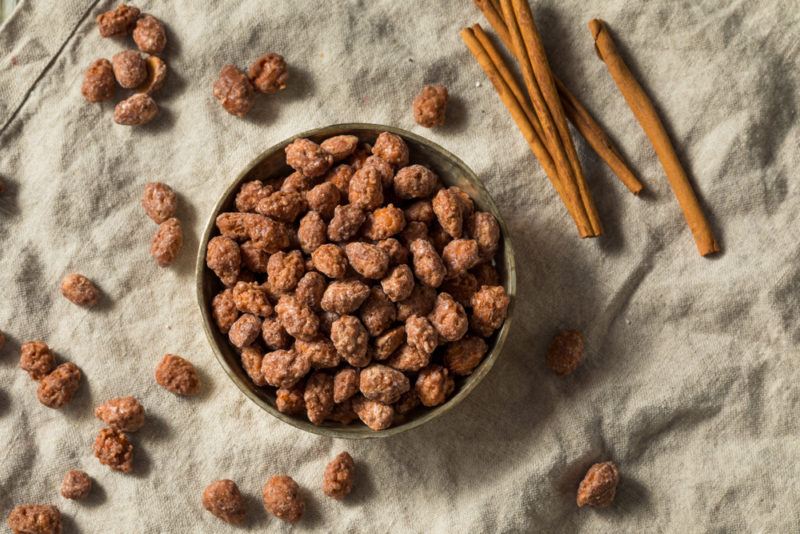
(544, 77)
(551, 137)
(648, 118)
(576, 112)
(507, 90)
(597, 138)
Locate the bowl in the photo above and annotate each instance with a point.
(270, 164)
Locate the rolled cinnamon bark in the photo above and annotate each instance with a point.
(544, 77)
(551, 137)
(576, 112)
(648, 118)
(507, 90)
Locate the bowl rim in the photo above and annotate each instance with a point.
(358, 432)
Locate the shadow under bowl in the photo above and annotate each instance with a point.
(272, 164)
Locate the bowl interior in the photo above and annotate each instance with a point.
(271, 164)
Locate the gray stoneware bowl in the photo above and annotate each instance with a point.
(271, 163)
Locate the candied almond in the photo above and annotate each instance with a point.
(36, 358)
(599, 487)
(430, 106)
(408, 359)
(324, 198)
(135, 110)
(76, 484)
(433, 385)
(489, 309)
(345, 384)
(337, 481)
(460, 255)
(223, 309)
(421, 334)
(428, 266)
(282, 498)
(250, 297)
(121, 413)
(385, 344)
(34, 519)
(177, 375)
(449, 318)
(308, 157)
(346, 221)
(129, 68)
(370, 261)
(415, 181)
(318, 397)
(391, 148)
(156, 75)
(463, 356)
(344, 296)
(149, 35)
(113, 449)
(290, 400)
(297, 319)
(274, 335)
(98, 81)
(159, 201)
(117, 21)
(340, 146)
(381, 383)
(223, 499)
(268, 73)
(366, 188)
(224, 258)
(351, 340)
(565, 352)
(245, 330)
(59, 386)
(374, 414)
(234, 91)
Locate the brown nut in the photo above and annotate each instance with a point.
(320, 353)
(223, 499)
(392, 149)
(285, 270)
(252, 361)
(489, 309)
(415, 181)
(307, 157)
(384, 345)
(250, 297)
(129, 68)
(381, 383)
(366, 188)
(459, 255)
(34, 519)
(399, 283)
(254, 257)
(599, 486)
(79, 290)
(448, 206)
(413, 231)
(234, 91)
(297, 182)
(345, 384)
(421, 334)
(449, 318)
(159, 201)
(282, 498)
(177, 375)
(36, 358)
(297, 319)
(408, 359)
(121, 413)
(223, 309)
(340, 146)
(330, 260)
(343, 413)
(113, 449)
(428, 266)
(224, 258)
(290, 400)
(463, 356)
(311, 232)
(268, 73)
(377, 313)
(156, 75)
(340, 176)
(245, 330)
(374, 414)
(135, 110)
(274, 335)
(283, 206)
(310, 290)
(117, 21)
(433, 385)
(565, 352)
(408, 401)
(284, 368)
(383, 223)
(318, 397)
(98, 81)
(324, 198)
(370, 261)
(344, 296)
(167, 242)
(57, 388)
(430, 106)
(337, 481)
(346, 222)
(420, 211)
(484, 229)
(351, 340)
(76, 484)
(149, 35)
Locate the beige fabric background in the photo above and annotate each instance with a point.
(691, 379)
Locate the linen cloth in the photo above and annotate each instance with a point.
(691, 377)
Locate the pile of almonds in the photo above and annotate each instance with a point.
(128, 69)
